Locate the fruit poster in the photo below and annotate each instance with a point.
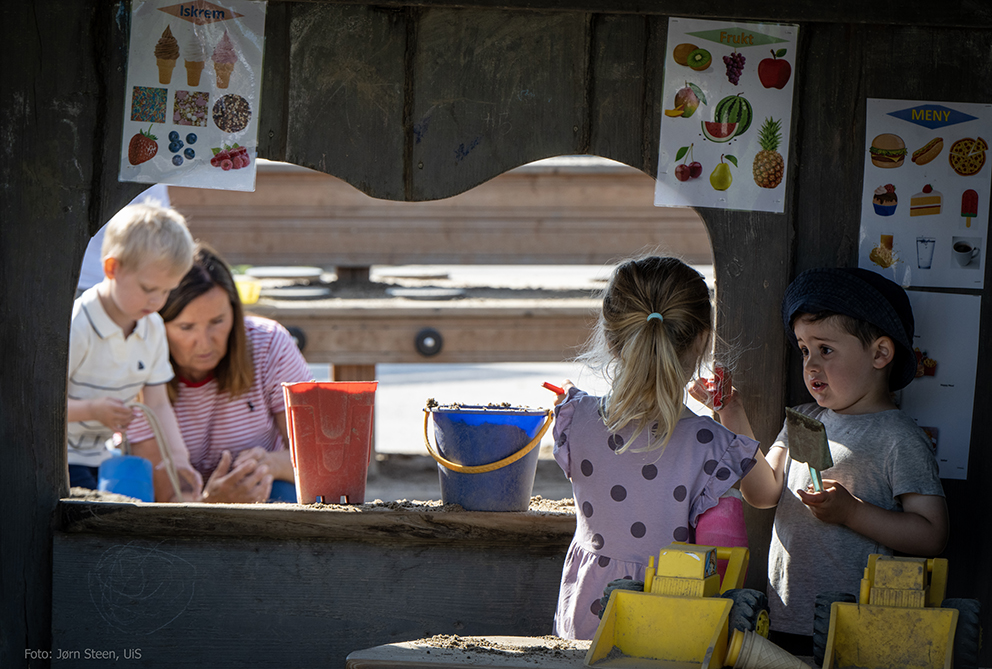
(925, 196)
(727, 101)
(194, 76)
(941, 397)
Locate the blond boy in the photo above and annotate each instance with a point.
(117, 343)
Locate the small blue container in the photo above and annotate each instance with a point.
(477, 436)
(127, 475)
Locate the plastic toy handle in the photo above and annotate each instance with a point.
(553, 388)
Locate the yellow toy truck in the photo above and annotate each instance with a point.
(901, 620)
(684, 616)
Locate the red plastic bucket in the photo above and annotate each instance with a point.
(330, 439)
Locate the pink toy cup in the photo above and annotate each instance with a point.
(330, 439)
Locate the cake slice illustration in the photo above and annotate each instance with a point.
(224, 58)
(925, 203)
(166, 54)
(884, 200)
(194, 55)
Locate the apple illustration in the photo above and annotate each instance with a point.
(774, 73)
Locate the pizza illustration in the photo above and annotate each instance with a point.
(967, 156)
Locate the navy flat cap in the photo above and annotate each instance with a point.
(861, 294)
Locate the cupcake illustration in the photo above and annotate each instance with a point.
(884, 201)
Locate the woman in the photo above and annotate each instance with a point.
(227, 392)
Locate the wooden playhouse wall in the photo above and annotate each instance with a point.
(349, 89)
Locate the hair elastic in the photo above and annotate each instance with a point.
(655, 314)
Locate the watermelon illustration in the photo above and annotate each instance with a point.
(719, 132)
(734, 109)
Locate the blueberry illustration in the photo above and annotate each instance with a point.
(177, 160)
(189, 153)
(173, 136)
(191, 138)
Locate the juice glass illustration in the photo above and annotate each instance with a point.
(924, 252)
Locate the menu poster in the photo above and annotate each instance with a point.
(925, 197)
(727, 98)
(193, 88)
(941, 399)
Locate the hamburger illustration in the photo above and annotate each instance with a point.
(887, 150)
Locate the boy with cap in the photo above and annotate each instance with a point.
(855, 331)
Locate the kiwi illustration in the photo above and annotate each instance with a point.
(699, 59)
(682, 51)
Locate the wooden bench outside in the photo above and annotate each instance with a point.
(580, 211)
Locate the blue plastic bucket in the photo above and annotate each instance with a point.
(482, 463)
(127, 475)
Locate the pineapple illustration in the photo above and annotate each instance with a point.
(768, 164)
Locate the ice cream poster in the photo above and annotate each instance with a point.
(727, 101)
(925, 197)
(191, 103)
(941, 398)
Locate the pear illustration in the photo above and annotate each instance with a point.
(721, 178)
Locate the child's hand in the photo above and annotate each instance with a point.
(704, 391)
(835, 505)
(566, 384)
(112, 413)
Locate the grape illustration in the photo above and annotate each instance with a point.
(735, 66)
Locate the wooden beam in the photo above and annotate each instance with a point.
(367, 523)
(975, 14)
(342, 333)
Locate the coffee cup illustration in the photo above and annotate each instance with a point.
(964, 252)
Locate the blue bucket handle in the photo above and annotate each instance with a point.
(480, 469)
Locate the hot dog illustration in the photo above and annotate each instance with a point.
(928, 151)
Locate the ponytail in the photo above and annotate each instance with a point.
(655, 310)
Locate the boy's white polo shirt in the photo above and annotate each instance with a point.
(103, 363)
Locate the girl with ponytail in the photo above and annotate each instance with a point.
(643, 467)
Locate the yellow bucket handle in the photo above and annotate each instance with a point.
(479, 469)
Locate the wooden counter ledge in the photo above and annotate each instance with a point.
(374, 522)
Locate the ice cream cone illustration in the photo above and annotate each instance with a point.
(223, 71)
(224, 57)
(194, 56)
(166, 54)
(194, 68)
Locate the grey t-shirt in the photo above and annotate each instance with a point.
(877, 457)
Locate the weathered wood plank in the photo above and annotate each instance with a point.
(415, 524)
(195, 602)
(493, 90)
(538, 214)
(511, 653)
(344, 335)
(53, 98)
(273, 118)
(975, 14)
(617, 86)
(346, 94)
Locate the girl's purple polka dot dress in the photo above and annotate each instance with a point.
(630, 506)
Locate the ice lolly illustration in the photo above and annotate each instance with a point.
(969, 206)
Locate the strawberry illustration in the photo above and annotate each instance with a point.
(142, 147)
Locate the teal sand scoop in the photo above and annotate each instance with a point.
(808, 444)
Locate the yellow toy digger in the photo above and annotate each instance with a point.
(901, 620)
(684, 616)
